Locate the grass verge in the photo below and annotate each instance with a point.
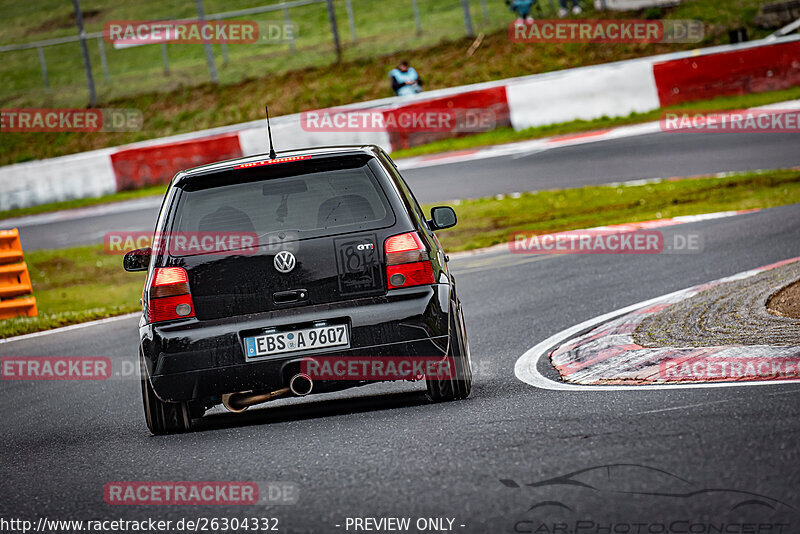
(76, 285)
(80, 284)
(489, 221)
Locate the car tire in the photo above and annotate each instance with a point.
(162, 417)
(459, 387)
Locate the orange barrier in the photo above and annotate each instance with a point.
(14, 278)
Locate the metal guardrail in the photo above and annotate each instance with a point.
(214, 16)
(284, 7)
(99, 36)
(786, 30)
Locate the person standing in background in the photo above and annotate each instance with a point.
(405, 80)
(522, 8)
(564, 10)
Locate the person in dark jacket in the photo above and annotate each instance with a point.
(405, 80)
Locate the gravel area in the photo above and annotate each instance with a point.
(734, 313)
(786, 302)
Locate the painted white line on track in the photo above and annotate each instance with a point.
(711, 403)
(687, 407)
(71, 327)
(526, 368)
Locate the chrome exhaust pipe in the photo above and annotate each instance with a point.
(301, 384)
(239, 402)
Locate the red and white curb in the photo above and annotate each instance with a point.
(609, 354)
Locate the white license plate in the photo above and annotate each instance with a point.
(297, 340)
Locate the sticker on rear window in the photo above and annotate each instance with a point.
(358, 264)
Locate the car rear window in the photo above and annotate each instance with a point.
(314, 199)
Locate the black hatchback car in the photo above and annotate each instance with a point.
(260, 265)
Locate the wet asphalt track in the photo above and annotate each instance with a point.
(383, 451)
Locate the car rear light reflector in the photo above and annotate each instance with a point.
(170, 297)
(169, 308)
(410, 274)
(407, 261)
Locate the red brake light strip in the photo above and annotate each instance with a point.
(270, 162)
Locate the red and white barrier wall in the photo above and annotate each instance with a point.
(754, 69)
(613, 90)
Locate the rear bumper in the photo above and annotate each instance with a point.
(270, 375)
(194, 360)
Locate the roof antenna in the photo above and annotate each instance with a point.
(272, 154)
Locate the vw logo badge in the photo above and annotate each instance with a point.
(284, 261)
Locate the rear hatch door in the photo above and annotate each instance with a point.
(316, 226)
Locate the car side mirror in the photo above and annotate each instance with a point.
(442, 217)
(137, 260)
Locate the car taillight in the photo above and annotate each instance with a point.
(407, 261)
(169, 295)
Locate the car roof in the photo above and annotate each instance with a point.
(344, 150)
